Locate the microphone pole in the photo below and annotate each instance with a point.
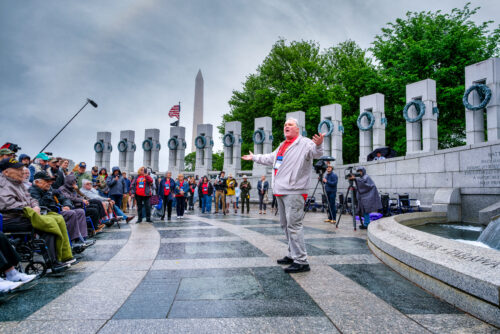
(57, 134)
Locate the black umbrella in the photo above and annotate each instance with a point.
(385, 151)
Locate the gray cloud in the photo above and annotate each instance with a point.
(138, 58)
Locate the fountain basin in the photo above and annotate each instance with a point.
(464, 275)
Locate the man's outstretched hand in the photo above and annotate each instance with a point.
(318, 139)
(248, 156)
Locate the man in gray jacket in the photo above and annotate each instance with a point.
(292, 166)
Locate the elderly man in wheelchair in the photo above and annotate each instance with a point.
(32, 233)
(54, 201)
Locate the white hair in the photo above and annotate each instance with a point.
(85, 181)
(296, 121)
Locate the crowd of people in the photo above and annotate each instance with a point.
(66, 208)
(42, 199)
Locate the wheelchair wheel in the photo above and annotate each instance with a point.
(36, 268)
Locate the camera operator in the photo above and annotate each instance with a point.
(367, 196)
(292, 164)
(220, 185)
(330, 182)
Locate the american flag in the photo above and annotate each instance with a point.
(175, 111)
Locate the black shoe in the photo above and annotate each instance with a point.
(285, 260)
(139, 221)
(169, 218)
(297, 268)
(148, 220)
(363, 227)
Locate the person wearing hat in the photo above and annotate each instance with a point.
(55, 201)
(231, 193)
(13, 196)
(55, 172)
(292, 164)
(94, 174)
(6, 153)
(367, 196)
(80, 174)
(245, 187)
(39, 164)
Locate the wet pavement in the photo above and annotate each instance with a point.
(218, 274)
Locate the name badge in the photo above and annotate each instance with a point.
(141, 184)
(279, 161)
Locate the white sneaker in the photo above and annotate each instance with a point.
(6, 286)
(21, 277)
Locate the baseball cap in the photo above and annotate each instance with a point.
(42, 156)
(244, 176)
(95, 168)
(5, 151)
(82, 165)
(54, 160)
(9, 163)
(43, 176)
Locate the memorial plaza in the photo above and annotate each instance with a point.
(218, 274)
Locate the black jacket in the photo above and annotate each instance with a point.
(210, 189)
(46, 198)
(220, 184)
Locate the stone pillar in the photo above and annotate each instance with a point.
(301, 117)
(425, 91)
(103, 149)
(375, 137)
(176, 149)
(486, 72)
(380, 120)
(232, 147)
(126, 149)
(203, 144)
(332, 145)
(151, 146)
(263, 143)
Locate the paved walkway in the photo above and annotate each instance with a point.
(216, 274)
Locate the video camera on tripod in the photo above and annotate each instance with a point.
(321, 165)
(348, 173)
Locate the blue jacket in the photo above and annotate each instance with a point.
(116, 187)
(185, 188)
(127, 184)
(331, 182)
(161, 191)
(261, 187)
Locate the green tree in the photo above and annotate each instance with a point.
(437, 46)
(217, 160)
(298, 76)
(190, 162)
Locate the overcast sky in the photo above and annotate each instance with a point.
(137, 58)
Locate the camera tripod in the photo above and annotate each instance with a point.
(352, 190)
(320, 181)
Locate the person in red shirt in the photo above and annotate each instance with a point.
(141, 190)
(166, 192)
(206, 191)
(181, 190)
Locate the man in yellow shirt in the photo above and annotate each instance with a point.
(231, 192)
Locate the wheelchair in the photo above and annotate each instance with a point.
(32, 249)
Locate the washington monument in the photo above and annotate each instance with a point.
(198, 106)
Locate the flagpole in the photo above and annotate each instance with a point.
(179, 113)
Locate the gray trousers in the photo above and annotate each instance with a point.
(291, 210)
(75, 223)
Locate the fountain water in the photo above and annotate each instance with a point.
(491, 234)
